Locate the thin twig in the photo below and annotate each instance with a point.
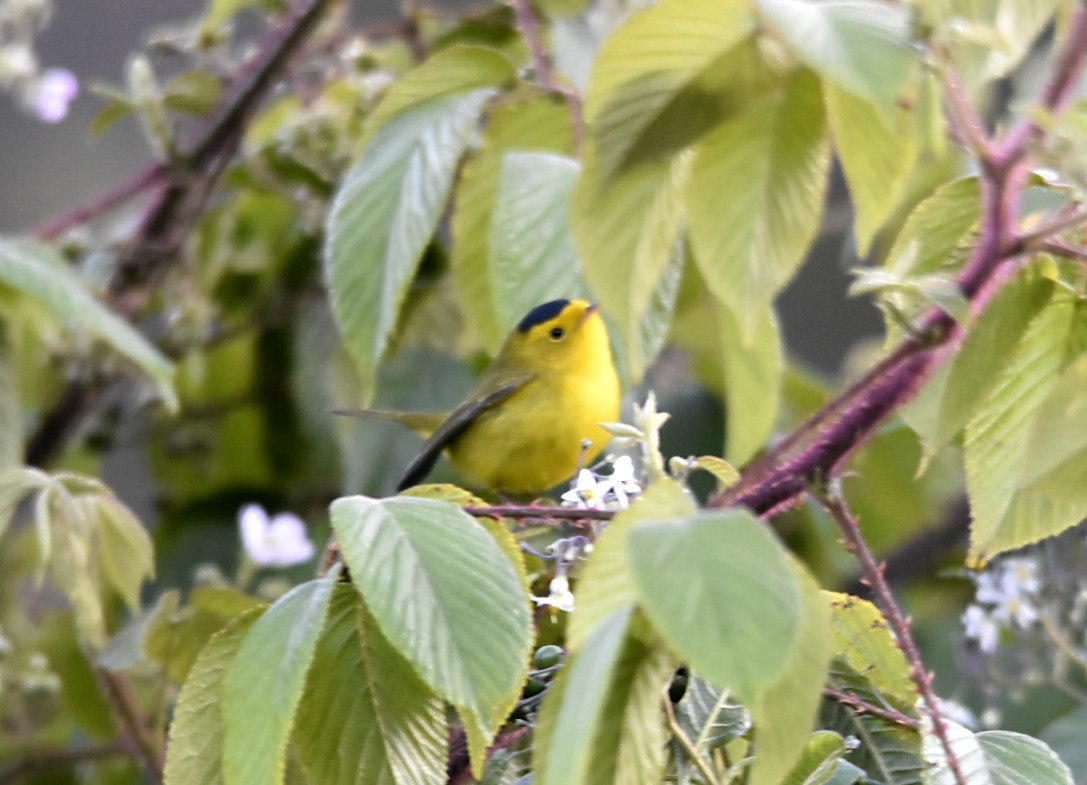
(148, 178)
(834, 503)
(681, 737)
(545, 513)
(1031, 240)
(120, 698)
(529, 27)
(861, 706)
(1064, 251)
(966, 118)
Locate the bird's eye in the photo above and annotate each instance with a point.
(557, 333)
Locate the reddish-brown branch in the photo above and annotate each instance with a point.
(529, 27)
(120, 698)
(874, 577)
(819, 447)
(861, 706)
(51, 761)
(150, 177)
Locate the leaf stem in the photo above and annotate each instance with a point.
(861, 706)
(835, 504)
(120, 697)
(529, 27)
(684, 741)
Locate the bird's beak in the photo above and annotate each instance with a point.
(593, 308)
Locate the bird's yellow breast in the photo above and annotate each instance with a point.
(534, 440)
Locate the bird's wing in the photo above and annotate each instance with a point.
(461, 418)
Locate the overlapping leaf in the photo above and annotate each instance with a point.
(445, 595)
(37, 270)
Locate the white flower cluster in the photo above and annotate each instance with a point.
(1006, 597)
(593, 491)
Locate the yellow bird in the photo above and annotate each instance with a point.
(521, 427)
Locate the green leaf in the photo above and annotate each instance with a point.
(37, 270)
(658, 81)
(606, 584)
(878, 149)
(11, 415)
(719, 588)
(450, 73)
(264, 683)
(601, 719)
(862, 639)
(445, 596)
(124, 549)
(708, 718)
(1065, 737)
(194, 753)
(887, 752)
(818, 761)
(998, 436)
(536, 124)
(626, 230)
(753, 365)
(384, 215)
(937, 229)
(993, 757)
(193, 92)
(532, 251)
(784, 713)
(859, 46)
(986, 351)
(755, 195)
(388, 727)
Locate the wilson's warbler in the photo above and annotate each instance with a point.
(521, 427)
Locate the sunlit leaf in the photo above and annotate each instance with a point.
(755, 195)
(124, 549)
(264, 683)
(753, 366)
(995, 757)
(862, 638)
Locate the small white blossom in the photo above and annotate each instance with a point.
(560, 596)
(279, 542)
(603, 492)
(1010, 588)
(586, 492)
(981, 625)
(1019, 610)
(50, 95)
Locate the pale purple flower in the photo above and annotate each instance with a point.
(279, 542)
(51, 94)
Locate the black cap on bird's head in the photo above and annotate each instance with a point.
(541, 314)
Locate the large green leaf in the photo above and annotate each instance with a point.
(535, 124)
(755, 194)
(888, 753)
(449, 73)
(194, 753)
(625, 230)
(995, 757)
(445, 596)
(1065, 737)
(125, 552)
(753, 365)
(601, 722)
(720, 590)
(708, 718)
(658, 80)
(878, 149)
(38, 271)
(784, 712)
(532, 250)
(384, 215)
(998, 436)
(263, 685)
(862, 639)
(388, 727)
(985, 352)
(862, 47)
(606, 584)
